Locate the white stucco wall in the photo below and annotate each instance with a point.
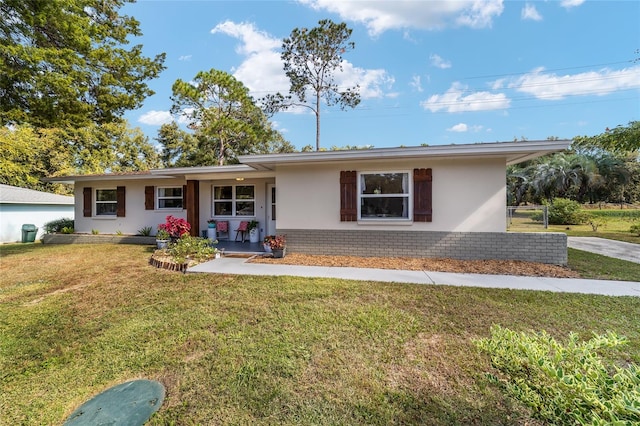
(13, 216)
(206, 203)
(136, 217)
(468, 195)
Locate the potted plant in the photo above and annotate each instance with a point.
(278, 246)
(176, 227)
(266, 243)
(254, 232)
(162, 239)
(211, 229)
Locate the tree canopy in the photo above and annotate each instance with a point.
(29, 154)
(620, 139)
(67, 76)
(224, 119)
(64, 63)
(311, 57)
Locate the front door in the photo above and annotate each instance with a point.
(271, 209)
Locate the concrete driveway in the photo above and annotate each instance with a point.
(605, 247)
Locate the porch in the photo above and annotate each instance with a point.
(238, 247)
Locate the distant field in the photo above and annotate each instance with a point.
(613, 223)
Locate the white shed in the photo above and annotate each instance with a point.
(20, 206)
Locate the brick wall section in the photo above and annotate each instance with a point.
(544, 247)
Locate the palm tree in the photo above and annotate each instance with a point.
(553, 176)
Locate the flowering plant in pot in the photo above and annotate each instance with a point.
(176, 227)
(278, 245)
(266, 243)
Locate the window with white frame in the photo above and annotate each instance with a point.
(170, 197)
(384, 196)
(106, 202)
(234, 200)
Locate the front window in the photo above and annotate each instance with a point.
(384, 196)
(106, 202)
(230, 200)
(170, 197)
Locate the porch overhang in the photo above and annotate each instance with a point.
(214, 172)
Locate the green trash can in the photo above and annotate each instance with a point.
(29, 232)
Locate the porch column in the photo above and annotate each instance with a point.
(193, 206)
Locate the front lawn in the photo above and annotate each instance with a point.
(591, 265)
(265, 350)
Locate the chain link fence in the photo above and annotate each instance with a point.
(527, 218)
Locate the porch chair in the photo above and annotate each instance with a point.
(242, 230)
(222, 227)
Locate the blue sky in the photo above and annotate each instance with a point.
(434, 72)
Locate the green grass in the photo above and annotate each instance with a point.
(591, 265)
(614, 224)
(77, 319)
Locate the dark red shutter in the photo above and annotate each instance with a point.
(149, 197)
(120, 201)
(348, 196)
(422, 198)
(86, 208)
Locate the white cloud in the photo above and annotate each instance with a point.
(529, 12)
(416, 83)
(438, 62)
(380, 16)
(374, 83)
(553, 87)
(156, 118)
(462, 128)
(262, 70)
(571, 3)
(460, 99)
(185, 58)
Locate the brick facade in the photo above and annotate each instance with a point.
(543, 247)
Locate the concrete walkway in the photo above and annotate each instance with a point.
(606, 247)
(231, 265)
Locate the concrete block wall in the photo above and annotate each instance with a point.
(543, 247)
(96, 239)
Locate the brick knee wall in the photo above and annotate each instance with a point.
(543, 247)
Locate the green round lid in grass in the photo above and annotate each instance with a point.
(127, 404)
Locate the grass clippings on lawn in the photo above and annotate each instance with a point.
(495, 267)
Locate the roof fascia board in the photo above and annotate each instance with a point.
(503, 149)
(86, 178)
(182, 171)
(41, 203)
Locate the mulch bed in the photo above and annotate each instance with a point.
(496, 267)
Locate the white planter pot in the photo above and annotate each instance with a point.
(254, 235)
(162, 244)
